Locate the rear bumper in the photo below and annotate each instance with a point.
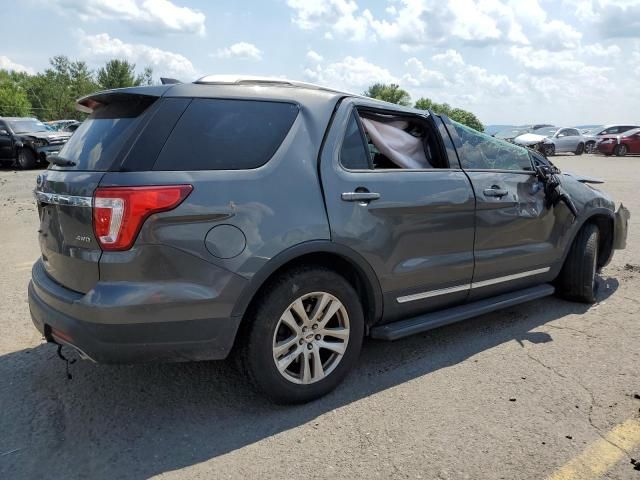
(99, 334)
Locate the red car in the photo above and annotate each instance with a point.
(621, 144)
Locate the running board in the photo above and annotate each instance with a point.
(428, 321)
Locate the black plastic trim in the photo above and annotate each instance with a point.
(429, 321)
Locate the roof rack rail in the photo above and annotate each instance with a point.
(257, 80)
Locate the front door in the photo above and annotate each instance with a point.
(415, 227)
(517, 236)
(565, 141)
(633, 142)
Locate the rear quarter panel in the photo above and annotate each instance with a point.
(276, 206)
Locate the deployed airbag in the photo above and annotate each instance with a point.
(399, 146)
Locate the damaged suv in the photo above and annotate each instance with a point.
(25, 142)
(283, 222)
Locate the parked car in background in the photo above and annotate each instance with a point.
(592, 138)
(509, 134)
(64, 125)
(552, 140)
(286, 222)
(27, 141)
(621, 144)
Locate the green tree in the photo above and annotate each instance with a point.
(391, 93)
(457, 114)
(121, 73)
(466, 118)
(53, 93)
(13, 98)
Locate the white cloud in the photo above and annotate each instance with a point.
(7, 64)
(243, 50)
(550, 34)
(147, 16)
(340, 16)
(103, 47)
(314, 56)
(610, 18)
(599, 50)
(557, 76)
(420, 76)
(352, 74)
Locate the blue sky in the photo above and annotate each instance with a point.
(509, 61)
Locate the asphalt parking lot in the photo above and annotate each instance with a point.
(546, 389)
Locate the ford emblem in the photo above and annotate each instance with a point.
(39, 181)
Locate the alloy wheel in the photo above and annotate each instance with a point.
(311, 338)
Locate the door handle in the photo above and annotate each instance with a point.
(360, 196)
(495, 191)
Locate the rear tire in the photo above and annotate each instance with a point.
(27, 159)
(297, 363)
(577, 280)
(621, 150)
(580, 149)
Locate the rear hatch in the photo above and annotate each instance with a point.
(64, 192)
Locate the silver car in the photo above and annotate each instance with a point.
(554, 140)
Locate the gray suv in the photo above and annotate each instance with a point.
(282, 222)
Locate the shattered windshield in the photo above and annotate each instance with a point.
(27, 125)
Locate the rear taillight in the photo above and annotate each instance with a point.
(119, 212)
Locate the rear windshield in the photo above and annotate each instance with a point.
(99, 140)
(216, 134)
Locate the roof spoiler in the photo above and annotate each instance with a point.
(169, 81)
(89, 103)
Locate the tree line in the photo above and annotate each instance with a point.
(394, 94)
(51, 94)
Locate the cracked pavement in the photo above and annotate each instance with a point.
(514, 394)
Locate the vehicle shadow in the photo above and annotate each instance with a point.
(139, 421)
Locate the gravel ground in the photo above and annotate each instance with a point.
(511, 395)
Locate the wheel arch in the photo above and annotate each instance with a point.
(343, 260)
(604, 219)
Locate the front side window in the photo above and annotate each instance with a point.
(482, 152)
(217, 134)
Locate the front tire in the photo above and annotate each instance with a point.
(549, 150)
(590, 147)
(580, 149)
(621, 150)
(577, 280)
(304, 335)
(26, 159)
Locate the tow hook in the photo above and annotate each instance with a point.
(66, 360)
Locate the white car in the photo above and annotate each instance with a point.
(552, 140)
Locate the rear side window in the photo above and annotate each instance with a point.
(353, 154)
(98, 142)
(215, 134)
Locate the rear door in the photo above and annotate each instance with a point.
(516, 234)
(70, 252)
(415, 227)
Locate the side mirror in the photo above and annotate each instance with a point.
(3, 133)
